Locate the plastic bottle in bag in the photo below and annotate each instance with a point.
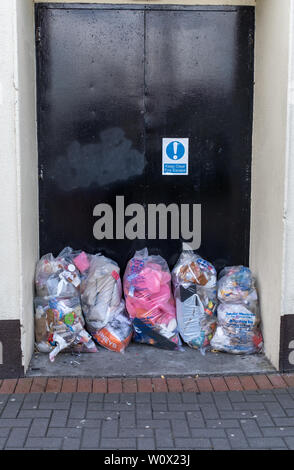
(238, 328)
(149, 300)
(194, 282)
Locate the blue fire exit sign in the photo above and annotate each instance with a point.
(175, 156)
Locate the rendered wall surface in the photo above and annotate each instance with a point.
(18, 179)
(287, 319)
(268, 164)
(28, 164)
(9, 213)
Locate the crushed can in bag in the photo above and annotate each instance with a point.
(194, 282)
(238, 320)
(149, 300)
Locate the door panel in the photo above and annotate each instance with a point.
(111, 84)
(91, 122)
(199, 85)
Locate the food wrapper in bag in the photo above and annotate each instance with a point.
(117, 334)
(101, 292)
(59, 325)
(238, 330)
(149, 300)
(194, 282)
(56, 276)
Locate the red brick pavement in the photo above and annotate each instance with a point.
(144, 385)
(147, 384)
(99, 385)
(233, 383)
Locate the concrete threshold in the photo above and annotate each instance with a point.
(140, 360)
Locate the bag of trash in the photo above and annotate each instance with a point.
(238, 330)
(236, 284)
(79, 258)
(117, 334)
(192, 269)
(101, 292)
(59, 325)
(238, 321)
(56, 277)
(149, 300)
(101, 297)
(194, 283)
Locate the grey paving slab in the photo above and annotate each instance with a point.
(237, 438)
(146, 443)
(71, 444)
(39, 427)
(250, 428)
(143, 360)
(180, 421)
(163, 439)
(220, 444)
(17, 437)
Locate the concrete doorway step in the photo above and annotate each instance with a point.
(141, 360)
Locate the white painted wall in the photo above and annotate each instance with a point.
(18, 167)
(268, 163)
(288, 297)
(28, 167)
(9, 210)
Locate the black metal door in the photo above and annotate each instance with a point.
(111, 84)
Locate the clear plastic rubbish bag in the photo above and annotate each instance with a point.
(192, 269)
(101, 292)
(238, 319)
(194, 282)
(149, 300)
(59, 325)
(117, 334)
(79, 258)
(101, 297)
(238, 330)
(236, 284)
(56, 276)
